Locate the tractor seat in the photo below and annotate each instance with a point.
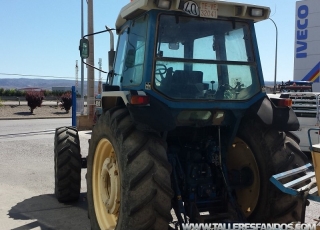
(187, 77)
(184, 83)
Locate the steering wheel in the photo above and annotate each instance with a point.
(224, 91)
(227, 92)
(161, 70)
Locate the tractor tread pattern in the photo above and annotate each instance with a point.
(275, 152)
(141, 174)
(142, 157)
(67, 164)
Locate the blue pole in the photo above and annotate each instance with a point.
(74, 109)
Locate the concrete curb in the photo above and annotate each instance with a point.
(25, 104)
(27, 118)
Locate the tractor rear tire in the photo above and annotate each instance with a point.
(274, 152)
(128, 177)
(67, 164)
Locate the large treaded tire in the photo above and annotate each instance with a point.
(67, 164)
(275, 152)
(145, 193)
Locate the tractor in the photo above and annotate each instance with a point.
(187, 133)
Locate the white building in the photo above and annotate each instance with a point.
(307, 42)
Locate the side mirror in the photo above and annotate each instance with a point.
(84, 48)
(130, 58)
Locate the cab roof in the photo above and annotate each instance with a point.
(223, 9)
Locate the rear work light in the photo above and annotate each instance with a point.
(139, 100)
(163, 4)
(256, 12)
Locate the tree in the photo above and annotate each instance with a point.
(34, 99)
(66, 101)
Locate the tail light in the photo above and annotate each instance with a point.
(139, 100)
(282, 102)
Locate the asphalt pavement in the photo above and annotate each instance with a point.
(27, 178)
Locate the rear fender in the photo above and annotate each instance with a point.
(282, 118)
(155, 116)
(111, 99)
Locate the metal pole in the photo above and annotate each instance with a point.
(90, 60)
(82, 65)
(100, 81)
(275, 59)
(74, 109)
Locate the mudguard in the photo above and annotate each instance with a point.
(157, 116)
(282, 118)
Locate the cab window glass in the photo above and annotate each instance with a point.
(135, 53)
(120, 58)
(200, 58)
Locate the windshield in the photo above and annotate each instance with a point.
(199, 58)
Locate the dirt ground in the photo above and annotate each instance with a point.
(23, 111)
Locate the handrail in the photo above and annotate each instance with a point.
(309, 137)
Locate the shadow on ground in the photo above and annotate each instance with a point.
(61, 113)
(47, 213)
(25, 113)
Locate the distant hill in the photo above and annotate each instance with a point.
(271, 83)
(46, 84)
(19, 83)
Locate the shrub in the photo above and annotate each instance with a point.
(57, 93)
(66, 101)
(12, 92)
(47, 93)
(19, 93)
(1, 102)
(6, 92)
(34, 99)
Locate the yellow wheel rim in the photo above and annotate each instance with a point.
(106, 185)
(240, 156)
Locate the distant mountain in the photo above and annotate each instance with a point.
(271, 83)
(19, 83)
(46, 84)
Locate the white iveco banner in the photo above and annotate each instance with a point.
(307, 42)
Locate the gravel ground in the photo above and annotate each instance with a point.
(23, 111)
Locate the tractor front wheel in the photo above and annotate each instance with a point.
(67, 164)
(128, 177)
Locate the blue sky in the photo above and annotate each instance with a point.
(41, 37)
